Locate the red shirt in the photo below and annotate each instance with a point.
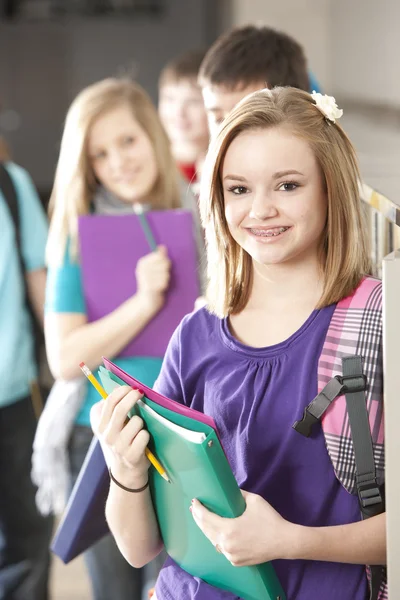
(188, 170)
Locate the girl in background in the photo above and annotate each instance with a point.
(284, 225)
(114, 154)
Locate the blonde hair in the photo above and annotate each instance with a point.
(344, 250)
(75, 183)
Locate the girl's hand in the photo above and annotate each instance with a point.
(259, 535)
(123, 440)
(153, 275)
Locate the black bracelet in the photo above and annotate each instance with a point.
(126, 488)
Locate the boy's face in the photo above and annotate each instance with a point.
(219, 100)
(182, 113)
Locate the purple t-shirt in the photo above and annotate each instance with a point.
(255, 395)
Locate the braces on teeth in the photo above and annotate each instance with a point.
(267, 234)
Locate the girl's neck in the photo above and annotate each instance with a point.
(277, 286)
(282, 298)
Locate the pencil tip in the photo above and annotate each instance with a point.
(165, 476)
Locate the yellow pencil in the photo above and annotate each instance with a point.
(154, 461)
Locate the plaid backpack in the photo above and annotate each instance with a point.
(349, 405)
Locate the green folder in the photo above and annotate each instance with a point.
(198, 468)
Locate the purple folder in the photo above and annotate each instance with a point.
(83, 522)
(110, 249)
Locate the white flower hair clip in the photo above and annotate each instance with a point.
(327, 106)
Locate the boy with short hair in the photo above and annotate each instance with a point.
(247, 59)
(182, 113)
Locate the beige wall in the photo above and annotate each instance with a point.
(366, 50)
(353, 46)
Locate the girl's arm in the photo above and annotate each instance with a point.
(357, 543)
(261, 534)
(71, 339)
(132, 522)
(36, 285)
(130, 515)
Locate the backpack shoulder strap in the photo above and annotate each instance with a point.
(355, 330)
(10, 196)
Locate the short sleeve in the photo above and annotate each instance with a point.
(169, 381)
(33, 220)
(64, 290)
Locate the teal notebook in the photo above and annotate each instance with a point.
(198, 468)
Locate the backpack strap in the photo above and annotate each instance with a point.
(10, 196)
(353, 384)
(369, 496)
(317, 407)
(370, 499)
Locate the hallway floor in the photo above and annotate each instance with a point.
(70, 582)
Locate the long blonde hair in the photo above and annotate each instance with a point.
(75, 183)
(344, 251)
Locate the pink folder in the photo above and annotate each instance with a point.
(110, 248)
(176, 407)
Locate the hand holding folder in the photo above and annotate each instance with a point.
(154, 461)
(187, 444)
(110, 248)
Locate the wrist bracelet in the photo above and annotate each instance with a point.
(136, 491)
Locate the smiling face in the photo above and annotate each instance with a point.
(274, 195)
(122, 156)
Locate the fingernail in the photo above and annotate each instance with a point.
(140, 391)
(190, 508)
(193, 501)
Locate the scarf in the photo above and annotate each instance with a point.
(106, 203)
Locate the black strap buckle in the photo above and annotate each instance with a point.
(315, 410)
(370, 499)
(352, 383)
(305, 425)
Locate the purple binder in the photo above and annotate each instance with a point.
(84, 522)
(110, 248)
